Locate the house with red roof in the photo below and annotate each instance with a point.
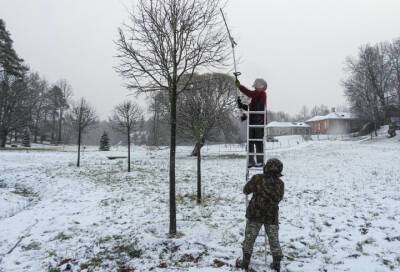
(334, 123)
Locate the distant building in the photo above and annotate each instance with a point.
(288, 128)
(334, 123)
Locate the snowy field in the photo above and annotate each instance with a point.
(341, 210)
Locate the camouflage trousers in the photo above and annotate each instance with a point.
(251, 233)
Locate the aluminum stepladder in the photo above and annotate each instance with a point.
(256, 170)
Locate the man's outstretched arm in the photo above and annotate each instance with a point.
(247, 92)
(244, 90)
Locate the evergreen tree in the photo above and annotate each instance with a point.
(13, 95)
(10, 63)
(104, 142)
(26, 141)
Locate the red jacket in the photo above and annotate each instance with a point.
(256, 97)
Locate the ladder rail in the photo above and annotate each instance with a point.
(248, 154)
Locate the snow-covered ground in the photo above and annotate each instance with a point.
(341, 210)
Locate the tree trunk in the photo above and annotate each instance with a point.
(59, 140)
(79, 147)
(129, 149)
(398, 97)
(376, 127)
(172, 200)
(155, 130)
(53, 128)
(198, 172)
(3, 138)
(15, 136)
(155, 123)
(43, 133)
(35, 135)
(196, 147)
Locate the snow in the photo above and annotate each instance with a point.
(286, 124)
(340, 211)
(333, 115)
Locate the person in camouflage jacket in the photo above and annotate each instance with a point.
(263, 209)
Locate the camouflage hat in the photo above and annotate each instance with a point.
(274, 166)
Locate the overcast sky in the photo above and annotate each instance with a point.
(299, 47)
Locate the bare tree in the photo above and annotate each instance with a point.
(319, 110)
(15, 108)
(164, 44)
(205, 109)
(363, 99)
(342, 108)
(394, 57)
(65, 96)
(370, 82)
(125, 117)
(156, 118)
(159, 109)
(303, 114)
(82, 117)
(55, 99)
(375, 67)
(38, 87)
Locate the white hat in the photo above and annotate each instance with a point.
(259, 82)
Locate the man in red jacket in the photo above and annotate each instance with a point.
(258, 103)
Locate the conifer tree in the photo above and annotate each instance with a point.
(12, 89)
(104, 142)
(10, 63)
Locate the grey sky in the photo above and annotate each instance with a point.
(299, 47)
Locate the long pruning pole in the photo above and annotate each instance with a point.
(233, 44)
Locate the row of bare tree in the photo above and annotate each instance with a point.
(163, 50)
(28, 101)
(372, 85)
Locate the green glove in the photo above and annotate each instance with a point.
(237, 83)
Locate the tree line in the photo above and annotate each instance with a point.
(27, 100)
(372, 85)
(162, 50)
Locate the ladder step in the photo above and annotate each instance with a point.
(256, 112)
(257, 126)
(255, 154)
(256, 140)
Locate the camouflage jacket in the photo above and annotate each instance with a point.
(267, 192)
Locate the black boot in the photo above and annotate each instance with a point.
(276, 263)
(244, 263)
(252, 162)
